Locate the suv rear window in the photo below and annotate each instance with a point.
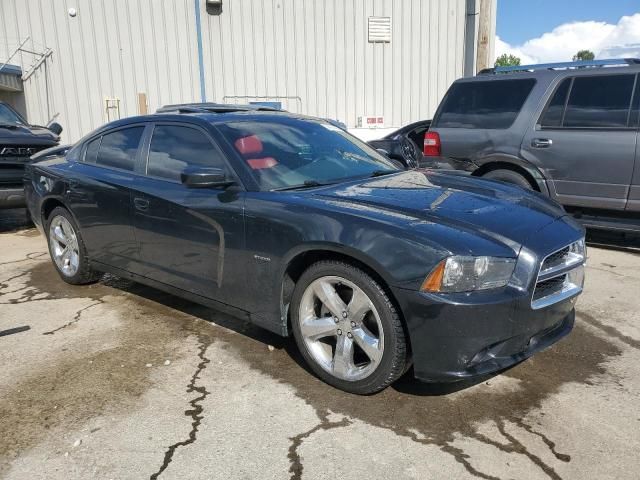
(493, 104)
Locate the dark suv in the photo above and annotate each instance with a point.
(567, 130)
(18, 142)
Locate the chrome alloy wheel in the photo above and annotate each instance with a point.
(341, 328)
(64, 246)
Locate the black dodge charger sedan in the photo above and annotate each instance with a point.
(297, 226)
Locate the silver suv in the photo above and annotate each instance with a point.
(567, 130)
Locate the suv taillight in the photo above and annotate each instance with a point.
(431, 144)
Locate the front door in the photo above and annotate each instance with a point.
(189, 238)
(585, 141)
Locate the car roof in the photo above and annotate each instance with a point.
(205, 118)
(212, 108)
(560, 69)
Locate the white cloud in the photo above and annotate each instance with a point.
(560, 44)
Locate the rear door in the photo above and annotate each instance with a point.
(633, 202)
(99, 195)
(585, 140)
(189, 238)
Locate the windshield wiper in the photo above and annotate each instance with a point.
(10, 126)
(306, 184)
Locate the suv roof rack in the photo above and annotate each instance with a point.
(610, 62)
(208, 107)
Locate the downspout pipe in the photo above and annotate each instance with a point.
(203, 90)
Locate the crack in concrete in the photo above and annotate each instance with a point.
(515, 446)
(196, 411)
(6, 283)
(28, 256)
(76, 318)
(563, 457)
(296, 466)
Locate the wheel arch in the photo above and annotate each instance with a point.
(298, 261)
(48, 205)
(531, 173)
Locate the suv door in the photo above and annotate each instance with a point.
(585, 140)
(189, 238)
(98, 194)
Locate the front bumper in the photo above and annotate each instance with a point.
(12, 197)
(456, 340)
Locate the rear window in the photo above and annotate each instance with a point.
(493, 104)
(118, 149)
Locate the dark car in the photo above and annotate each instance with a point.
(297, 226)
(405, 144)
(568, 130)
(18, 142)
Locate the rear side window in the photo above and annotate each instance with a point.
(599, 101)
(173, 148)
(493, 104)
(91, 153)
(118, 149)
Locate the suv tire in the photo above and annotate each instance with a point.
(509, 176)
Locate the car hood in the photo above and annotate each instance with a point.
(27, 135)
(492, 209)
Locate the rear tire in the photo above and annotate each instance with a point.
(67, 250)
(509, 176)
(347, 328)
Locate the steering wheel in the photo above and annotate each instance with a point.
(410, 153)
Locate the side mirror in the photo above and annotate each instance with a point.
(205, 177)
(55, 127)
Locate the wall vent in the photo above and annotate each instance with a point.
(379, 29)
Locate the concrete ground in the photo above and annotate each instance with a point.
(120, 381)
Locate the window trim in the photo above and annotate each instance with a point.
(85, 147)
(436, 118)
(167, 123)
(629, 127)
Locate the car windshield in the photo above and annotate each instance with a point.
(7, 115)
(288, 153)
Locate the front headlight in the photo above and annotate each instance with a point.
(466, 274)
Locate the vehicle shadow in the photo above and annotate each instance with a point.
(407, 384)
(14, 219)
(629, 242)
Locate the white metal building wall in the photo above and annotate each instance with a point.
(314, 51)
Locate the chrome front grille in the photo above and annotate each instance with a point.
(561, 275)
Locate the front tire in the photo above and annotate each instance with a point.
(67, 249)
(347, 328)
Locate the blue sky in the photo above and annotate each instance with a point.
(521, 20)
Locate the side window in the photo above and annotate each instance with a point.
(599, 101)
(91, 152)
(552, 117)
(118, 149)
(492, 104)
(173, 148)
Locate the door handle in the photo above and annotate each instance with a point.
(141, 204)
(541, 142)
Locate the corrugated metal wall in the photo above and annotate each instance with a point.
(313, 55)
